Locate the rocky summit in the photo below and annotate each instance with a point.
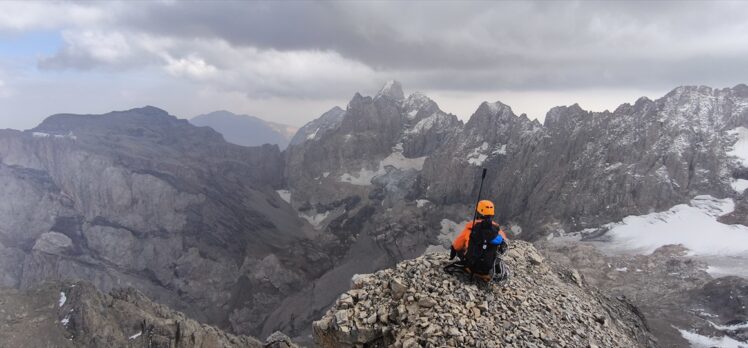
(417, 304)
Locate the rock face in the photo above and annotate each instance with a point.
(578, 170)
(582, 169)
(139, 198)
(246, 130)
(77, 315)
(417, 304)
(317, 127)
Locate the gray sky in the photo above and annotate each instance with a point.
(291, 61)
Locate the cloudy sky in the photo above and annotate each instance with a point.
(290, 61)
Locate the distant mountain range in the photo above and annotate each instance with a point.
(255, 239)
(246, 130)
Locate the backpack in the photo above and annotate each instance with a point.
(481, 254)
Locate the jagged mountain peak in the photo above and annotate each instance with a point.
(392, 89)
(334, 109)
(560, 115)
(417, 99)
(491, 115)
(328, 121)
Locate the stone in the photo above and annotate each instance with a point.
(397, 288)
(53, 243)
(427, 302)
(341, 317)
(535, 258)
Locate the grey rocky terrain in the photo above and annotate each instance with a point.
(673, 291)
(140, 198)
(78, 315)
(416, 304)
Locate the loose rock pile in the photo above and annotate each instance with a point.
(416, 304)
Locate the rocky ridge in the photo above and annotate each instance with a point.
(140, 198)
(578, 170)
(416, 304)
(78, 315)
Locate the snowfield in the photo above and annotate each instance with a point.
(694, 225)
(723, 247)
(701, 341)
(396, 160)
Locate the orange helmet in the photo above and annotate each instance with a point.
(485, 208)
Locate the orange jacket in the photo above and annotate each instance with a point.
(461, 242)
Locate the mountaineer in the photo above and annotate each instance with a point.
(479, 245)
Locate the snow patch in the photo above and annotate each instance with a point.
(740, 148)
(315, 220)
(701, 341)
(63, 299)
(622, 269)
(682, 224)
(501, 150)
(135, 335)
(65, 321)
(477, 157)
(313, 135)
(436, 119)
(396, 160)
(284, 195)
(743, 325)
(363, 178)
(325, 174)
(613, 166)
(739, 185)
(40, 135)
(422, 202)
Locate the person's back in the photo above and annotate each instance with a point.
(480, 242)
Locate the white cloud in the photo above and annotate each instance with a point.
(193, 67)
(34, 15)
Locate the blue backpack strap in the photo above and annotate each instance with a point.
(498, 240)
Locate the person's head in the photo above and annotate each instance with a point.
(485, 209)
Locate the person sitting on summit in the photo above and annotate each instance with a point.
(479, 243)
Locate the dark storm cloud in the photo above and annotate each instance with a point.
(468, 45)
(477, 45)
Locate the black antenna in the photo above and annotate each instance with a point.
(480, 190)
